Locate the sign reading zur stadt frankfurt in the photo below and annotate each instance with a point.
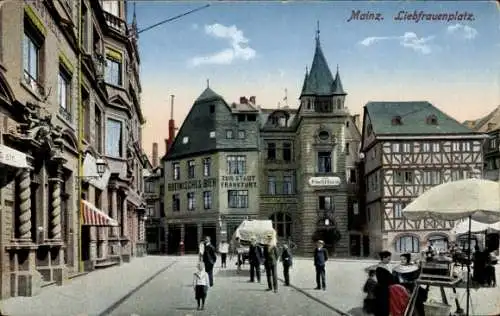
(324, 181)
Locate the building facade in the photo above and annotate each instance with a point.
(154, 191)
(491, 149)
(40, 91)
(408, 148)
(309, 163)
(211, 172)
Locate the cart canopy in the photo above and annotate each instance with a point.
(259, 229)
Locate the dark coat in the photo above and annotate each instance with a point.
(320, 256)
(255, 255)
(286, 257)
(384, 280)
(209, 255)
(270, 255)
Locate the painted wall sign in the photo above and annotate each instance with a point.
(324, 181)
(192, 184)
(12, 157)
(238, 182)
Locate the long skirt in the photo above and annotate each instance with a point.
(201, 291)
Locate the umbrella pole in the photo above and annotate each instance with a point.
(469, 258)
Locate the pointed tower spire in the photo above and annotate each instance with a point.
(208, 83)
(338, 89)
(304, 85)
(134, 17)
(317, 32)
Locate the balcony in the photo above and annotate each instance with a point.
(115, 23)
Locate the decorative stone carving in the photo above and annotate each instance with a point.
(25, 205)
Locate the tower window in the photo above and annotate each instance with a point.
(339, 104)
(212, 108)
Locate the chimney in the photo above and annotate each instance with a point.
(243, 100)
(155, 155)
(171, 124)
(252, 100)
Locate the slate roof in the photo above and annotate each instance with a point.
(414, 115)
(482, 124)
(319, 81)
(197, 127)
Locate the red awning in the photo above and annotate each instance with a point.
(92, 216)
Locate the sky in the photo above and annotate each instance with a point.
(262, 49)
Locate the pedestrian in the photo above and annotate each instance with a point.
(286, 259)
(270, 259)
(369, 288)
(385, 260)
(209, 259)
(320, 259)
(200, 285)
(255, 258)
(223, 250)
(382, 293)
(201, 249)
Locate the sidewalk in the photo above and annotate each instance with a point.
(91, 294)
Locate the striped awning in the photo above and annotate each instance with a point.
(92, 216)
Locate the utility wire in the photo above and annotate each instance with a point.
(172, 19)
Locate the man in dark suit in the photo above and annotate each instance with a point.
(286, 259)
(255, 259)
(320, 258)
(270, 260)
(209, 259)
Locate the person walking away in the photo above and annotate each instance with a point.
(320, 259)
(286, 259)
(223, 250)
(255, 259)
(369, 289)
(200, 285)
(270, 259)
(209, 259)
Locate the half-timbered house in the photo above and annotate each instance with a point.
(408, 148)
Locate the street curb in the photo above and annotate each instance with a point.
(117, 303)
(314, 298)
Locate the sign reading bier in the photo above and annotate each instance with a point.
(238, 182)
(324, 181)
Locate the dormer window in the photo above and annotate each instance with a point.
(396, 120)
(274, 120)
(282, 122)
(432, 120)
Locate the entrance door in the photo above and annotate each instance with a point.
(85, 243)
(191, 241)
(366, 246)
(174, 238)
(355, 245)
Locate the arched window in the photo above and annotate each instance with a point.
(282, 223)
(407, 243)
(439, 242)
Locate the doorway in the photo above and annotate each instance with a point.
(355, 245)
(191, 238)
(85, 243)
(174, 238)
(366, 246)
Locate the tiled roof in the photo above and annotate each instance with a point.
(414, 117)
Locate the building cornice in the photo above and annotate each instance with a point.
(434, 137)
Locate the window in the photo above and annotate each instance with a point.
(493, 143)
(347, 149)
(251, 117)
(287, 185)
(398, 209)
(271, 151)
(324, 135)
(241, 118)
(111, 6)
(176, 170)
(456, 146)
(324, 162)
(426, 147)
(436, 177)
(32, 61)
(236, 164)
(282, 223)
(352, 176)
(114, 138)
(98, 129)
(237, 198)
(84, 40)
(86, 114)
(287, 152)
(436, 147)
(271, 185)
(407, 243)
(241, 134)
(113, 71)
(403, 177)
(150, 212)
(191, 201)
(325, 203)
(427, 177)
(149, 187)
(206, 167)
(191, 167)
(207, 200)
(395, 147)
(64, 93)
(229, 134)
(406, 147)
(212, 108)
(176, 203)
(466, 146)
(212, 134)
(347, 124)
(408, 177)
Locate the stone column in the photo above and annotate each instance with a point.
(125, 216)
(114, 210)
(25, 206)
(55, 212)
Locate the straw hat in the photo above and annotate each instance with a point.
(321, 242)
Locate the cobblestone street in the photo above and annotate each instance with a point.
(157, 285)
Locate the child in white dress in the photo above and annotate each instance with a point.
(200, 285)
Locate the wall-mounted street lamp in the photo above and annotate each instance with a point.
(101, 168)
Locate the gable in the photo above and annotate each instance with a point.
(367, 133)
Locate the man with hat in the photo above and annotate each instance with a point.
(255, 259)
(320, 259)
(270, 259)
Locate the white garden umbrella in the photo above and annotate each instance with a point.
(462, 227)
(475, 199)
